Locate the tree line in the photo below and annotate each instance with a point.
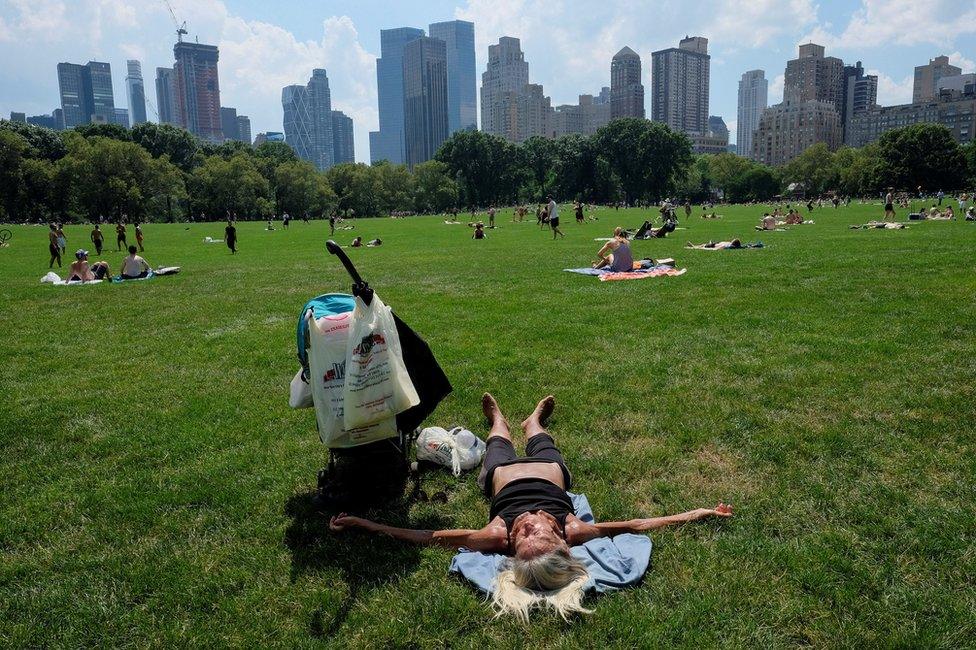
(156, 172)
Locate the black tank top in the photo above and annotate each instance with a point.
(530, 495)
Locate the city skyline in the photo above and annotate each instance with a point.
(569, 48)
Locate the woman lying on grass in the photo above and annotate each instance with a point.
(716, 245)
(531, 519)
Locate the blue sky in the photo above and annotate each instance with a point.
(568, 43)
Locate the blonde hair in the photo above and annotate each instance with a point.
(555, 579)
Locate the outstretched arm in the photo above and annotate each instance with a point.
(578, 532)
(484, 539)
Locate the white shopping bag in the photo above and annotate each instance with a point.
(377, 384)
(328, 338)
(458, 448)
(300, 393)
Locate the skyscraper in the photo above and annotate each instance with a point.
(860, 94)
(228, 123)
(344, 149)
(680, 85)
(753, 99)
(811, 111)
(813, 76)
(86, 93)
(387, 143)
(297, 120)
(927, 77)
(462, 76)
(626, 89)
(137, 92)
(507, 73)
(308, 119)
(120, 116)
(424, 98)
(165, 87)
(75, 104)
(197, 90)
(244, 128)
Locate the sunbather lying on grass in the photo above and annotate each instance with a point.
(716, 245)
(531, 519)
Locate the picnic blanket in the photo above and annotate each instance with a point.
(640, 272)
(53, 278)
(612, 563)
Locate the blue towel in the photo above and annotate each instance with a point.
(613, 563)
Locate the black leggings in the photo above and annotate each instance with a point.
(501, 452)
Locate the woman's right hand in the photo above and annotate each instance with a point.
(342, 521)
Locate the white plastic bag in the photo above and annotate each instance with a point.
(458, 448)
(377, 384)
(328, 337)
(300, 393)
(51, 277)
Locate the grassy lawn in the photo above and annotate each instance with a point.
(155, 488)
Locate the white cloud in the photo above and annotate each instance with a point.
(43, 20)
(892, 92)
(885, 23)
(775, 94)
(756, 23)
(958, 59)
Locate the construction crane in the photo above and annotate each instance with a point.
(180, 27)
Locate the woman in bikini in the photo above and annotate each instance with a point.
(531, 519)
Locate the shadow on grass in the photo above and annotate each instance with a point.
(365, 561)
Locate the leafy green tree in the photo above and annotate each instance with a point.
(37, 183)
(759, 183)
(434, 190)
(112, 131)
(113, 178)
(647, 158)
(538, 157)
(696, 186)
(485, 167)
(44, 143)
(269, 155)
(357, 189)
(236, 186)
(395, 186)
(815, 168)
(727, 171)
(300, 189)
(227, 149)
(165, 139)
(921, 155)
(969, 152)
(13, 152)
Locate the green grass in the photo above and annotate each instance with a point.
(155, 487)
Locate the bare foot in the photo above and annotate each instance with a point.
(491, 409)
(541, 413)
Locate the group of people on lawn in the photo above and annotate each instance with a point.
(81, 270)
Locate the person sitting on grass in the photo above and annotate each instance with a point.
(716, 245)
(971, 213)
(82, 271)
(616, 253)
(531, 519)
(479, 232)
(793, 219)
(357, 242)
(768, 222)
(134, 267)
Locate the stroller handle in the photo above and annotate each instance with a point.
(360, 287)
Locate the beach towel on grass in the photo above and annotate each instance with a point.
(606, 275)
(612, 563)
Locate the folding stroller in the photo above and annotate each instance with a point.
(375, 472)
